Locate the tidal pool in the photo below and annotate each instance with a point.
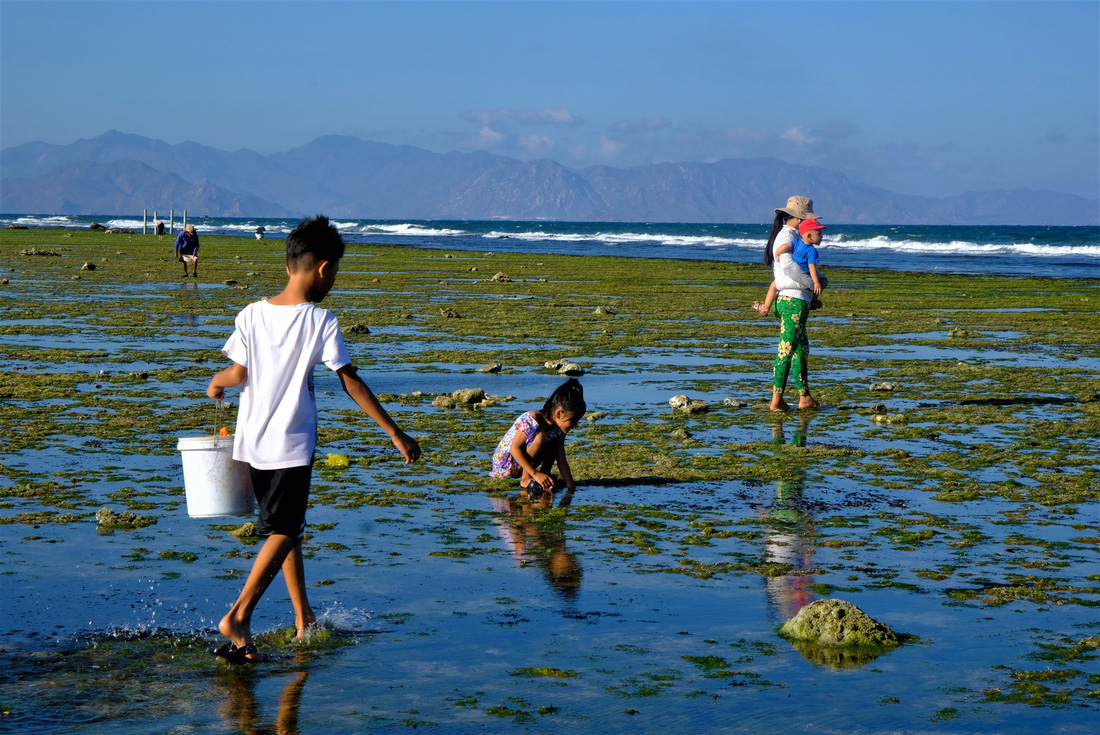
(646, 601)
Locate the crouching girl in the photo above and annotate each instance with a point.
(536, 441)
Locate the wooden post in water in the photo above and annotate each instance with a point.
(171, 221)
(185, 219)
(145, 221)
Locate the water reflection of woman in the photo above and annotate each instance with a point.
(534, 535)
(787, 537)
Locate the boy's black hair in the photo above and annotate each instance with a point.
(313, 240)
(569, 396)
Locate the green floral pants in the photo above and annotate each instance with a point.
(793, 355)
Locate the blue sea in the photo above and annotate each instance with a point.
(1058, 252)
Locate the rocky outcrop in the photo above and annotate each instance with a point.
(838, 623)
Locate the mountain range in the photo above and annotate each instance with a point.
(343, 176)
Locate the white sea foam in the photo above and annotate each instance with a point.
(44, 221)
(410, 230)
(251, 227)
(133, 224)
(626, 238)
(960, 247)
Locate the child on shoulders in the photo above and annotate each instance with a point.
(536, 440)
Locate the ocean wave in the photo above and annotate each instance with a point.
(961, 247)
(59, 220)
(136, 224)
(627, 238)
(410, 230)
(133, 224)
(250, 227)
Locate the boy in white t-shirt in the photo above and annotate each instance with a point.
(274, 347)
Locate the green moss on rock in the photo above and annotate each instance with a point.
(837, 623)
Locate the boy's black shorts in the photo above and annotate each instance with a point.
(281, 495)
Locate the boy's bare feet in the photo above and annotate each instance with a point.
(241, 637)
(760, 309)
(306, 625)
(808, 402)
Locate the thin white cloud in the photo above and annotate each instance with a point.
(503, 115)
(744, 136)
(488, 138)
(610, 148)
(629, 127)
(539, 146)
(800, 135)
(827, 135)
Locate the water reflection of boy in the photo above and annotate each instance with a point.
(547, 543)
(241, 712)
(788, 540)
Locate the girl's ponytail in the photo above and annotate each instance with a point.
(777, 225)
(569, 397)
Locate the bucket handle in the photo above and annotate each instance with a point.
(217, 417)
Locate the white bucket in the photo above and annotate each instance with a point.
(216, 484)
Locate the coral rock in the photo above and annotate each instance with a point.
(468, 395)
(837, 623)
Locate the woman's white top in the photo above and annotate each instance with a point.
(782, 283)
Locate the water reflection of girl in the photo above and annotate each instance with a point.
(540, 542)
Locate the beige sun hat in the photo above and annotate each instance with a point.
(191, 228)
(799, 207)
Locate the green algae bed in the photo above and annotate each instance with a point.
(957, 503)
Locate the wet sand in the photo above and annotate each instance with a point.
(959, 506)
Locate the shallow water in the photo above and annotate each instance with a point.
(649, 601)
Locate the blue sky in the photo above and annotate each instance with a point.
(933, 98)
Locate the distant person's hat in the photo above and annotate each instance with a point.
(809, 224)
(799, 207)
(190, 228)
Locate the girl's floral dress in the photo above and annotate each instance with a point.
(504, 464)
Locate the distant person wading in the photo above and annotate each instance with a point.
(187, 250)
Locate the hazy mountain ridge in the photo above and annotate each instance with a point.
(345, 176)
(84, 187)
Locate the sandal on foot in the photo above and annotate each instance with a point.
(224, 650)
(241, 655)
(235, 654)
